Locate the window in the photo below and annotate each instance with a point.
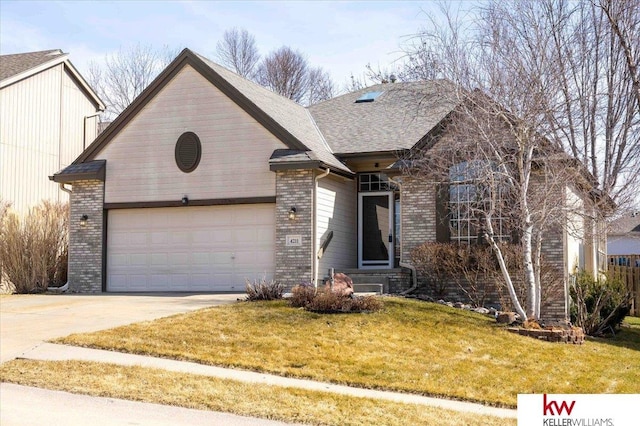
(474, 192)
(368, 97)
(375, 182)
(188, 151)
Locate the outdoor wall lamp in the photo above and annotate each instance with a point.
(185, 200)
(83, 220)
(292, 213)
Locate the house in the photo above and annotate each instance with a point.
(208, 179)
(623, 239)
(48, 115)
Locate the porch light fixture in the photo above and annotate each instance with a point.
(185, 200)
(83, 220)
(292, 213)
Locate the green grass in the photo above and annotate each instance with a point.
(410, 346)
(206, 393)
(632, 322)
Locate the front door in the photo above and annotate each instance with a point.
(375, 230)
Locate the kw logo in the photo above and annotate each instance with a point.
(548, 407)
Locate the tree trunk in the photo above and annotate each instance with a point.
(529, 274)
(503, 268)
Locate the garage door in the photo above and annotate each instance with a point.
(190, 248)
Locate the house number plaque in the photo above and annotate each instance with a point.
(294, 240)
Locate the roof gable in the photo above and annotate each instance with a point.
(18, 63)
(19, 66)
(286, 120)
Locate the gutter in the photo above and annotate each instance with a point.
(314, 259)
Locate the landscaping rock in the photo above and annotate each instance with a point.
(442, 302)
(342, 285)
(506, 317)
(484, 311)
(458, 305)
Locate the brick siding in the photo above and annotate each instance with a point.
(294, 263)
(418, 215)
(85, 242)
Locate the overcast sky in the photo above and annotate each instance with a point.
(342, 37)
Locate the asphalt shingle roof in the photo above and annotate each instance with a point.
(91, 170)
(625, 225)
(291, 116)
(17, 63)
(397, 119)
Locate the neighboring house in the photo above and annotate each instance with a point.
(208, 179)
(623, 237)
(48, 115)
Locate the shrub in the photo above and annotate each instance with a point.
(33, 248)
(473, 268)
(264, 290)
(599, 305)
(325, 301)
(302, 295)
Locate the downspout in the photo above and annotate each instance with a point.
(64, 188)
(402, 264)
(314, 256)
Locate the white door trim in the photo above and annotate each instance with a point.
(362, 264)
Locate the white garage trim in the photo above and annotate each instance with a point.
(195, 248)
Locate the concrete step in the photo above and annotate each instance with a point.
(368, 288)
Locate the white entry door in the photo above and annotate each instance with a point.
(375, 230)
(213, 248)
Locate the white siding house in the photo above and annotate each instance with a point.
(623, 238)
(48, 114)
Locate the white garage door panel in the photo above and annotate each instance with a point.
(190, 248)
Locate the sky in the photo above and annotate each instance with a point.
(342, 37)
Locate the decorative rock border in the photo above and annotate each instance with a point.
(572, 335)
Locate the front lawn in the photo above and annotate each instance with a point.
(410, 346)
(248, 399)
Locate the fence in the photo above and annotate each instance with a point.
(627, 268)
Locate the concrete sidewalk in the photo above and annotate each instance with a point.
(53, 352)
(26, 406)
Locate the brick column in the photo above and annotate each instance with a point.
(418, 221)
(86, 242)
(553, 301)
(294, 262)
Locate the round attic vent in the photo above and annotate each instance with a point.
(188, 151)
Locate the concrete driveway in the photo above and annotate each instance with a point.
(28, 320)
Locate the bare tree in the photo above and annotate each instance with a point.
(589, 103)
(237, 50)
(286, 72)
(624, 19)
(125, 74)
(541, 96)
(377, 75)
(320, 86)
